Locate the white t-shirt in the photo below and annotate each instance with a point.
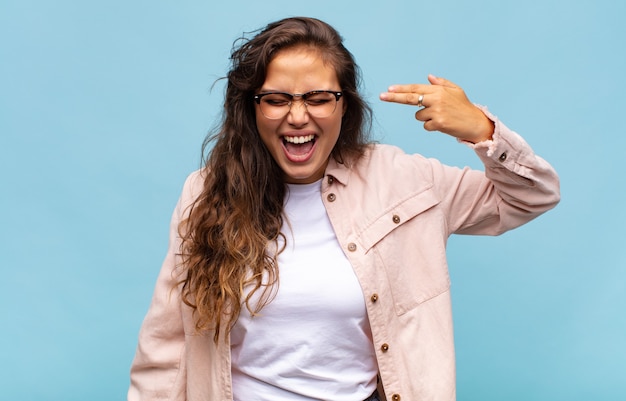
(313, 340)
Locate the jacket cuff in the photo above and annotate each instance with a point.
(506, 148)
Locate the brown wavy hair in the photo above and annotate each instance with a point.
(238, 215)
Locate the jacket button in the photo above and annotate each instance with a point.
(352, 247)
(384, 347)
(374, 297)
(330, 180)
(395, 397)
(396, 218)
(502, 157)
(331, 197)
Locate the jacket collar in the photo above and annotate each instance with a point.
(339, 171)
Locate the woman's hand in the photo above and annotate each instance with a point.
(445, 108)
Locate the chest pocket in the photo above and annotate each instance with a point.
(408, 242)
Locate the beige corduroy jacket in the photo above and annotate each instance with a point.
(392, 214)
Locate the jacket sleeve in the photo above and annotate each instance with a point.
(516, 186)
(158, 371)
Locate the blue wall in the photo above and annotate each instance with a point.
(104, 105)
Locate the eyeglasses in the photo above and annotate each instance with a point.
(276, 105)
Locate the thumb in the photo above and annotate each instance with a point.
(441, 81)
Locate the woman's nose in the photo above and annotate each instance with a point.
(298, 113)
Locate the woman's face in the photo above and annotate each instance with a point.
(300, 143)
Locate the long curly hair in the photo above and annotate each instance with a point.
(238, 215)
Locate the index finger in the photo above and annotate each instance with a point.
(405, 94)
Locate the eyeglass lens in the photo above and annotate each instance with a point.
(318, 104)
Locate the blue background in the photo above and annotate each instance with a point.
(103, 108)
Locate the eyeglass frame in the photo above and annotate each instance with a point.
(257, 99)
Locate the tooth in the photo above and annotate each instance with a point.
(299, 139)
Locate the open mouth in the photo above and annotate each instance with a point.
(299, 146)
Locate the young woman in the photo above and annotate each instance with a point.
(306, 263)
